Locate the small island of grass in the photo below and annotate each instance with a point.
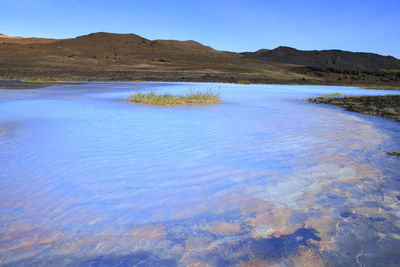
(153, 98)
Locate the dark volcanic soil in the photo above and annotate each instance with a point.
(385, 106)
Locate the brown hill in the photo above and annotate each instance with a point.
(132, 53)
(337, 59)
(127, 47)
(23, 40)
(188, 45)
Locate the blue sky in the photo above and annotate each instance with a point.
(355, 25)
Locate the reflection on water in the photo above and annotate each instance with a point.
(263, 179)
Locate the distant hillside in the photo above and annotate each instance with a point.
(129, 56)
(188, 45)
(130, 48)
(337, 59)
(110, 56)
(23, 40)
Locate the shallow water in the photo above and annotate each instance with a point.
(263, 179)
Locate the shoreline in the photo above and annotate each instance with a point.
(205, 76)
(387, 106)
(20, 84)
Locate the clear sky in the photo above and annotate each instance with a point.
(233, 25)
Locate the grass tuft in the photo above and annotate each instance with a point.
(41, 80)
(336, 94)
(210, 96)
(243, 82)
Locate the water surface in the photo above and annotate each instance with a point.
(262, 179)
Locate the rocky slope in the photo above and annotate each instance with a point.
(337, 59)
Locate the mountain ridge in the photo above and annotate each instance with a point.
(328, 58)
(332, 58)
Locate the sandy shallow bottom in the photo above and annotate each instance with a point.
(263, 179)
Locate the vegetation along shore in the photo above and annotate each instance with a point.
(386, 106)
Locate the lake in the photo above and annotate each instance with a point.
(263, 179)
